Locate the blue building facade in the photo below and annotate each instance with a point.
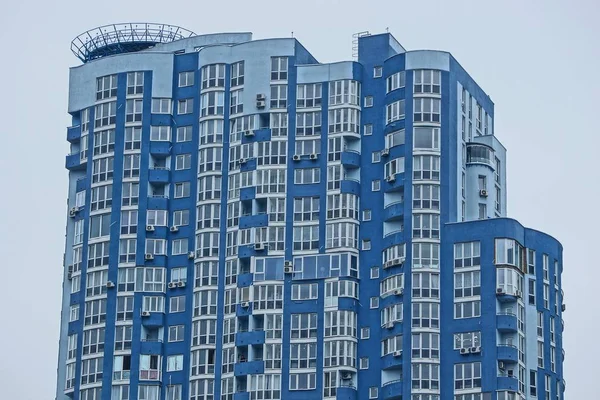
(247, 223)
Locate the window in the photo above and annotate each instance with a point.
(160, 133)
(377, 71)
(102, 169)
(341, 234)
(368, 130)
(99, 225)
(368, 101)
(184, 134)
(373, 392)
(101, 198)
(467, 255)
(212, 103)
(182, 189)
(183, 161)
(133, 138)
(213, 76)
(98, 255)
(180, 246)
(174, 392)
(131, 166)
(467, 339)
(305, 291)
(237, 74)
(155, 304)
(376, 185)
(395, 138)
(308, 95)
(509, 252)
(427, 81)
(156, 217)
(467, 376)
(96, 283)
(125, 308)
(376, 157)
(211, 131)
(532, 383)
(498, 202)
(177, 304)
(303, 355)
(133, 110)
(426, 110)
(161, 106)
(105, 114)
(482, 211)
(104, 142)
(342, 206)
(308, 123)
(106, 87)
(175, 363)
(306, 209)
(181, 217)
(278, 96)
(279, 124)
(425, 285)
(344, 92)
(148, 392)
(427, 138)
(394, 111)
(185, 106)
(129, 222)
(131, 192)
(236, 101)
(426, 168)
(304, 326)
(467, 309)
(91, 370)
(531, 291)
(426, 226)
(395, 81)
(395, 166)
(426, 197)
(425, 345)
(374, 302)
(366, 244)
(93, 341)
(156, 247)
(186, 78)
(306, 237)
(365, 333)
(135, 83)
(279, 68)
(122, 367)
(425, 376)
(467, 284)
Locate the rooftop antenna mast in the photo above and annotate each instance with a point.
(355, 42)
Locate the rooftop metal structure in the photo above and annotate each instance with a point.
(124, 38)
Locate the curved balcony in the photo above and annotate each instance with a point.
(148, 346)
(392, 390)
(154, 320)
(158, 175)
(391, 361)
(249, 337)
(351, 186)
(248, 193)
(507, 294)
(73, 162)
(506, 322)
(478, 153)
(394, 183)
(252, 221)
(73, 133)
(508, 383)
(350, 159)
(393, 211)
(160, 149)
(241, 311)
(508, 353)
(346, 392)
(256, 135)
(245, 280)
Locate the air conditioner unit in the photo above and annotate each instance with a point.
(288, 263)
(464, 350)
(149, 256)
(172, 285)
(398, 353)
(245, 304)
(73, 211)
(296, 157)
(242, 161)
(259, 246)
(69, 275)
(70, 269)
(314, 156)
(249, 133)
(500, 290)
(398, 292)
(181, 284)
(261, 103)
(346, 375)
(149, 228)
(476, 349)
(501, 365)
(483, 193)
(261, 96)
(110, 284)
(174, 228)
(385, 152)
(288, 270)
(191, 255)
(389, 325)
(391, 178)
(518, 293)
(145, 313)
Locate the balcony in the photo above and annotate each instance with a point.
(508, 353)
(158, 202)
(507, 294)
(391, 362)
(350, 159)
(245, 280)
(243, 311)
(158, 175)
(507, 382)
(250, 338)
(149, 375)
(249, 368)
(160, 149)
(392, 390)
(241, 396)
(154, 320)
(394, 183)
(251, 221)
(73, 162)
(346, 392)
(394, 211)
(74, 133)
(506, 322)
(248, 193)
(351, 186)
(256, 135)
(149, 346)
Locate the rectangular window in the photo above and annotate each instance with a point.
(427, 81)
(306, 209)
(304, 176)
(186, 78)
(368, 130)
(426, 168)
(305, 291)
(306, 237)
(133, 110)
(279, 68)
(394, 111)
(467, 340)
(182, 189)
(467, 376)
(161, 106)
(237, 74)
(213, 76)
(426, 110)
(467, 309)
(106, 87)
(368, 101)
(183, 161)
(278, 96)
(236, 101)
(427, 138)
(393, 167)
(304, 326)
(185, 106)
(105, 114)
(212, 103)
(308, 95)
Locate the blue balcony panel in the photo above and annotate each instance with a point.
(391, 362)
(508, 353)
(161, 119)
(157, 202)
(155, 320)
(257, 135)
(346, 392)
(394, 211)
(160, 149)
(350, 159)
(74, 133)
(151, 347)
(251, 221)
(248, 193)
(241, 396)
(348, 304)
(392, 239)
(507, 322)
(158, 175)
(508, 383)
(350, 186)
(249, 338)
(81, 184)
(73, 162)
(243, 311)
(249, 368)
(507, 297)
(248, 165)
(392, 390)
(394, 183)
(245, 280)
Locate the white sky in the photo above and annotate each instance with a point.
(538, 60)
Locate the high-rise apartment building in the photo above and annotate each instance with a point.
(246, 223)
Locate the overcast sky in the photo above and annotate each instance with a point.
(538, 60)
